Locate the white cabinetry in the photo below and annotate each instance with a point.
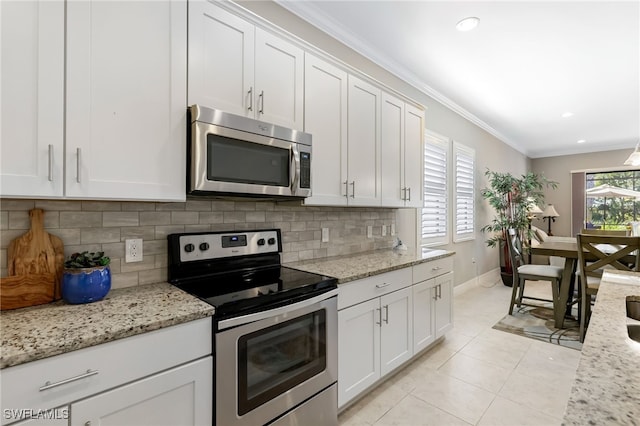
(240, 68)
(325, 117)
(32, 91)
(363, 153)
(401, 130)
(386, 320)
(165, 375)
(374, 331)
(432, 301)
(125, 99)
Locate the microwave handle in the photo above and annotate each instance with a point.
(294, 169)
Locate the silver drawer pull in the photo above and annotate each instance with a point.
(383, 285)
(49, 385)
(437, 268)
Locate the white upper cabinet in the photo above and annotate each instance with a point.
(402, 129)
(363, 154)
(413, 151)
(239, 68)
(32, 91)
(126, 100)
(325, 116)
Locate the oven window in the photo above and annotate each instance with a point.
(274, 360)
(232, 160)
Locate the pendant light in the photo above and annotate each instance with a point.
(634, 158)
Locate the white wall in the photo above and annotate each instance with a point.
(490, 152)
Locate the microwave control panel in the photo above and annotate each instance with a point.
(305, 170)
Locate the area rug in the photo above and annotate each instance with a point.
(537, 323)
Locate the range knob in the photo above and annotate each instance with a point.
(272, 241)
(189, 248)
(204, 246)
(261, 242)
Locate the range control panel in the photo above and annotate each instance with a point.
(217, 245)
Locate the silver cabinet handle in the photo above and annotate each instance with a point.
(435, 289)
(250, 103)
(386, 314)
(78, 154)
(379, 317)
(353, 189)
(346, 189)
(404, 193)
(436, 268)
(409, 191)
(439, 291)
(49, 385)
(261, 97)
(383, 285)
(50, 163)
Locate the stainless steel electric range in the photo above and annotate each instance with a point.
(275, 328)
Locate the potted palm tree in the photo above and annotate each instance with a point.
(512, 199)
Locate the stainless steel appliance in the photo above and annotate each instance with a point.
(275, 338)
(231, 154)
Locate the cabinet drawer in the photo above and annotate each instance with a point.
(367, 288)
(431, 269)
(87, 371)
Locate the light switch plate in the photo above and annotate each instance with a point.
(384, 230)
(325, 235)
(369, 231)
(393, 229)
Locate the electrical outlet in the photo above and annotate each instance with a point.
(369, 231)
(393, 229)
(384, 230)
(473, 260)
(325, 235)
(133, 250)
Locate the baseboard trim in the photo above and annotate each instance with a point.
(488, 279)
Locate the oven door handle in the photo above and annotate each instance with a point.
(256, 316)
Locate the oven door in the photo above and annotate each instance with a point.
(237, 162)
(267, 367)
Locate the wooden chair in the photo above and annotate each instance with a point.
(595, 254)
(523, 272)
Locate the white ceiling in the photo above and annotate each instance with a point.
(526, 64)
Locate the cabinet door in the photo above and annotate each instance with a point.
(325, 117)
(279, 81)
(221, 59)
(364, 143)
(180, 396)
(444, 304)
(359, 349)
(423, 324)
(413, 156)
(32, 92)
(392, 144)
(396, 332)
(126, 98)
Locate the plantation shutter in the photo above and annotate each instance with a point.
(434, 218)
(464, 158)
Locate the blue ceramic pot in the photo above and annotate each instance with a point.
(86, 285)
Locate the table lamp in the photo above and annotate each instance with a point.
(551, 214)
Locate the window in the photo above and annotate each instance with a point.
(464, 214)
(615, 207)
(434, 218)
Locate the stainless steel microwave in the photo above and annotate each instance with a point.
(233, 155)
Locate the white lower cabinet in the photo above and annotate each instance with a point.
(180, 396)
(386, 319)
(163, 377)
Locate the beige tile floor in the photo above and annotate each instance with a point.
(477, 375)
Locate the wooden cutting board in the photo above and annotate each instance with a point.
(35, 263)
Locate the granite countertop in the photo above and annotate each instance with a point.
(362, 265)
(29, 334)
(606, 389)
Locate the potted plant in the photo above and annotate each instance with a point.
(86, 277)
(512, 199)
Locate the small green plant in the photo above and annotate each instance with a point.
(86, 260)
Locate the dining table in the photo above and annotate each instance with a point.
(567, 248)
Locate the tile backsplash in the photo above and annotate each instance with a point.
(105, 225)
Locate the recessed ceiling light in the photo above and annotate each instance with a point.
(567, 114)
(467, 24)
(582, 141)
